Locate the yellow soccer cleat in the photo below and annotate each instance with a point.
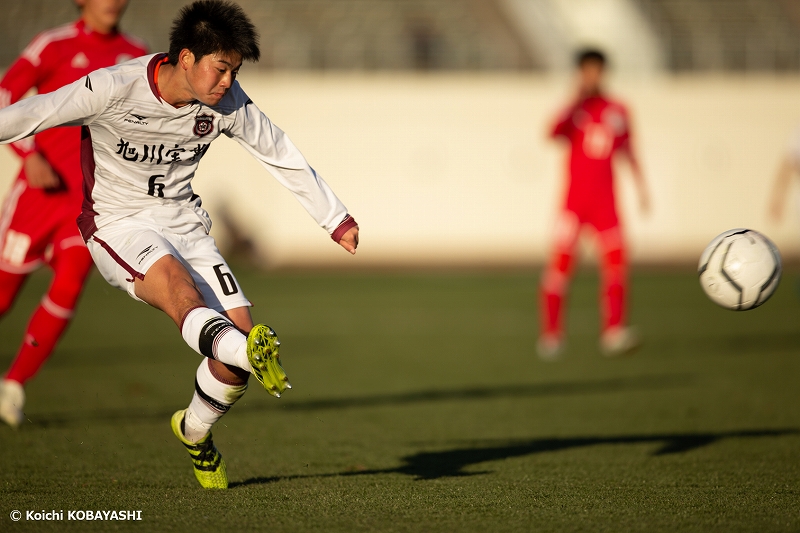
(262, 352)
(209, 466)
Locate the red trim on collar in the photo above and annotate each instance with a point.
(152, 73)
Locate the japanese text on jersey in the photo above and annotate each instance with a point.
(157, 154)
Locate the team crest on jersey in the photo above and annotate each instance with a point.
(203, 125)
(614, 119)
(80, 61)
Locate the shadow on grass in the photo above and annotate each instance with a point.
(451, 463)
(576, 388)
(761, 342)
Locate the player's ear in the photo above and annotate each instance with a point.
(186, 59)
(80, 4)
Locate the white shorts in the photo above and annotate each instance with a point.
(126, 249)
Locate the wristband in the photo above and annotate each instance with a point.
(343, 227)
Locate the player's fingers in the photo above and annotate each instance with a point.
(347, 246)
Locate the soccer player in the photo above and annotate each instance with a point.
(147, 124)
(597, 128)
(37, 225)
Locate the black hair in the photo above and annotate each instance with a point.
(210, 26)
(590, 54)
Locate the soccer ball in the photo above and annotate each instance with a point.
(740, 269)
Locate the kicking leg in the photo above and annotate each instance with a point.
(168, 286)
(217, 387)
(171, 288)
(554, 285)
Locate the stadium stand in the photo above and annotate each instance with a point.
(693, 35)
(737, 35)
(326, 34)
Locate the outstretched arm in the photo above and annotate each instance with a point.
(72, 105)
(781, 187)
(276, 152)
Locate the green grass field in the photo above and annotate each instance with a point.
(419, 405)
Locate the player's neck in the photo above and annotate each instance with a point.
(98, 26)
(172, 87)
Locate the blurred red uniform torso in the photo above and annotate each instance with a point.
(56, 58)
(35, 223)
(596, 128)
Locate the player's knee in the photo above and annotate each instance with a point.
(562, 262)
(613, 270)
(70, 271)
(9, 287)
(556, 276)
(614, 258)
(65, 291)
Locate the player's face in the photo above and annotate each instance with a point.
(102, 15)
(590, 77)
(211, 77)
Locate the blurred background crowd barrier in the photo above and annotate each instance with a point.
(428, 118)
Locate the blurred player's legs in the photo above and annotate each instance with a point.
(53, 315)
(39, 227)
(616, 338)
(46, 326)
(612, 277)
(555, 283)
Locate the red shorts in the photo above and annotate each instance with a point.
(35, 225)
(605, 223)
(600, 215)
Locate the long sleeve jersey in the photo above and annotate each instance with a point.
(140, 152)
(55, 58)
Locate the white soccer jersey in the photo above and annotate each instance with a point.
(141, 152)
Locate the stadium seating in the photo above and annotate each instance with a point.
(739, 35)
(695, 35)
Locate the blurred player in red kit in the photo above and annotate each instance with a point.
(597, 128)
(37, 222)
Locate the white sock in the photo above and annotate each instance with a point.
(211, 334)
(212, 399)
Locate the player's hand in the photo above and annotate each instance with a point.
(39, 173)
(349, 240)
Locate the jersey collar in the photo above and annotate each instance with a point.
(152, 73)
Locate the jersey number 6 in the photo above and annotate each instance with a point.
(226, 280)
(153, 188)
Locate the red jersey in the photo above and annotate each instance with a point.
(53, 59)
(596, 128)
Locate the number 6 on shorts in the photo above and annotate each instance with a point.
(226, 281)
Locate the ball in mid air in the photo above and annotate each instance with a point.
(740, 269)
